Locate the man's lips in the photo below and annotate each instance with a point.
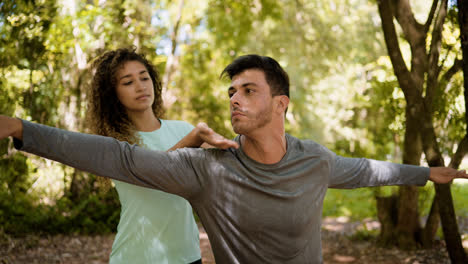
(237, 113)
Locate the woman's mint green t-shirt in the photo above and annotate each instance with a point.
(155, 227)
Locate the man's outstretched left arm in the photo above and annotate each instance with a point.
(359, 172)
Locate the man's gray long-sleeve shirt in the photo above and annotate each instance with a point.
(253, 212)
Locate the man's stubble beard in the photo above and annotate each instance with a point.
(262, 119)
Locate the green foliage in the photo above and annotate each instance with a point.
(379, 115)
(97, 213)
(460, 199)
(360, 204)
(24, 24)
(355, 204)
(14, 174)
(231, 22)
(21, 214)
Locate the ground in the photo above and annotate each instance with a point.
(338, 247)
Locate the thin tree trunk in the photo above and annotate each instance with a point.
(168, 97)
(407, 228)
(387, 213)
(449, 224)
(432, 224)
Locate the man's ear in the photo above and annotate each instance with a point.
(282, 103)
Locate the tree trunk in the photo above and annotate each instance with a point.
(463, 22)
(432, 224)
(419, 114)
(77, 187)
(449, 224)
(408, 228)
(387, 213)
(168, 96)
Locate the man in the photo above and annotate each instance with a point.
(260, 203)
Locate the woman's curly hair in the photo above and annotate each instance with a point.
(106, 115)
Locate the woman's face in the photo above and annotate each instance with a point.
(134, 87)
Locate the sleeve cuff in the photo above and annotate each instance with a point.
(17, 143)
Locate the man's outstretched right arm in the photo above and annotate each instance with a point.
(171, 172)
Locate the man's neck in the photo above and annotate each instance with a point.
(144, 121)
(267, 148)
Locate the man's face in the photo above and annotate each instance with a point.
(251, 101)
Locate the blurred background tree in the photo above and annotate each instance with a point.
(344, 93)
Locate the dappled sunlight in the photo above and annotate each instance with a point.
(343, 224)
(343, 259)
(460, 181)
(49, 181)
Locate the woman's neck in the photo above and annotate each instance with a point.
(144, 121)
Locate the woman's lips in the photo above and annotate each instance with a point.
(143, 97)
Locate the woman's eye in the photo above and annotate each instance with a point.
(128, 83)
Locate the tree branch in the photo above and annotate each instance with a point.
(458, 156)
(428, 23)
(434, 51)
(447, 76)
(393, 48)
(411, 28)
(414, 34)
(168, 96)
(433, 70)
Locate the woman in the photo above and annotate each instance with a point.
(125, 103)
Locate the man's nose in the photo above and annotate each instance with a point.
(235, 99)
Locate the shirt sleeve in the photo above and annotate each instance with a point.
(176, 172)
(349, 173)
(187, 127)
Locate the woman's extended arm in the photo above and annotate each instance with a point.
(203, 136)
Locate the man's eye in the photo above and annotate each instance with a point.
(249, 91)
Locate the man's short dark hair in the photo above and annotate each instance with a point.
(275, 76)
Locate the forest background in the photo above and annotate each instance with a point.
(346, 93)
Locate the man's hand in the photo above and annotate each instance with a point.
(446, 175)
(213, 139)
(10, 127)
